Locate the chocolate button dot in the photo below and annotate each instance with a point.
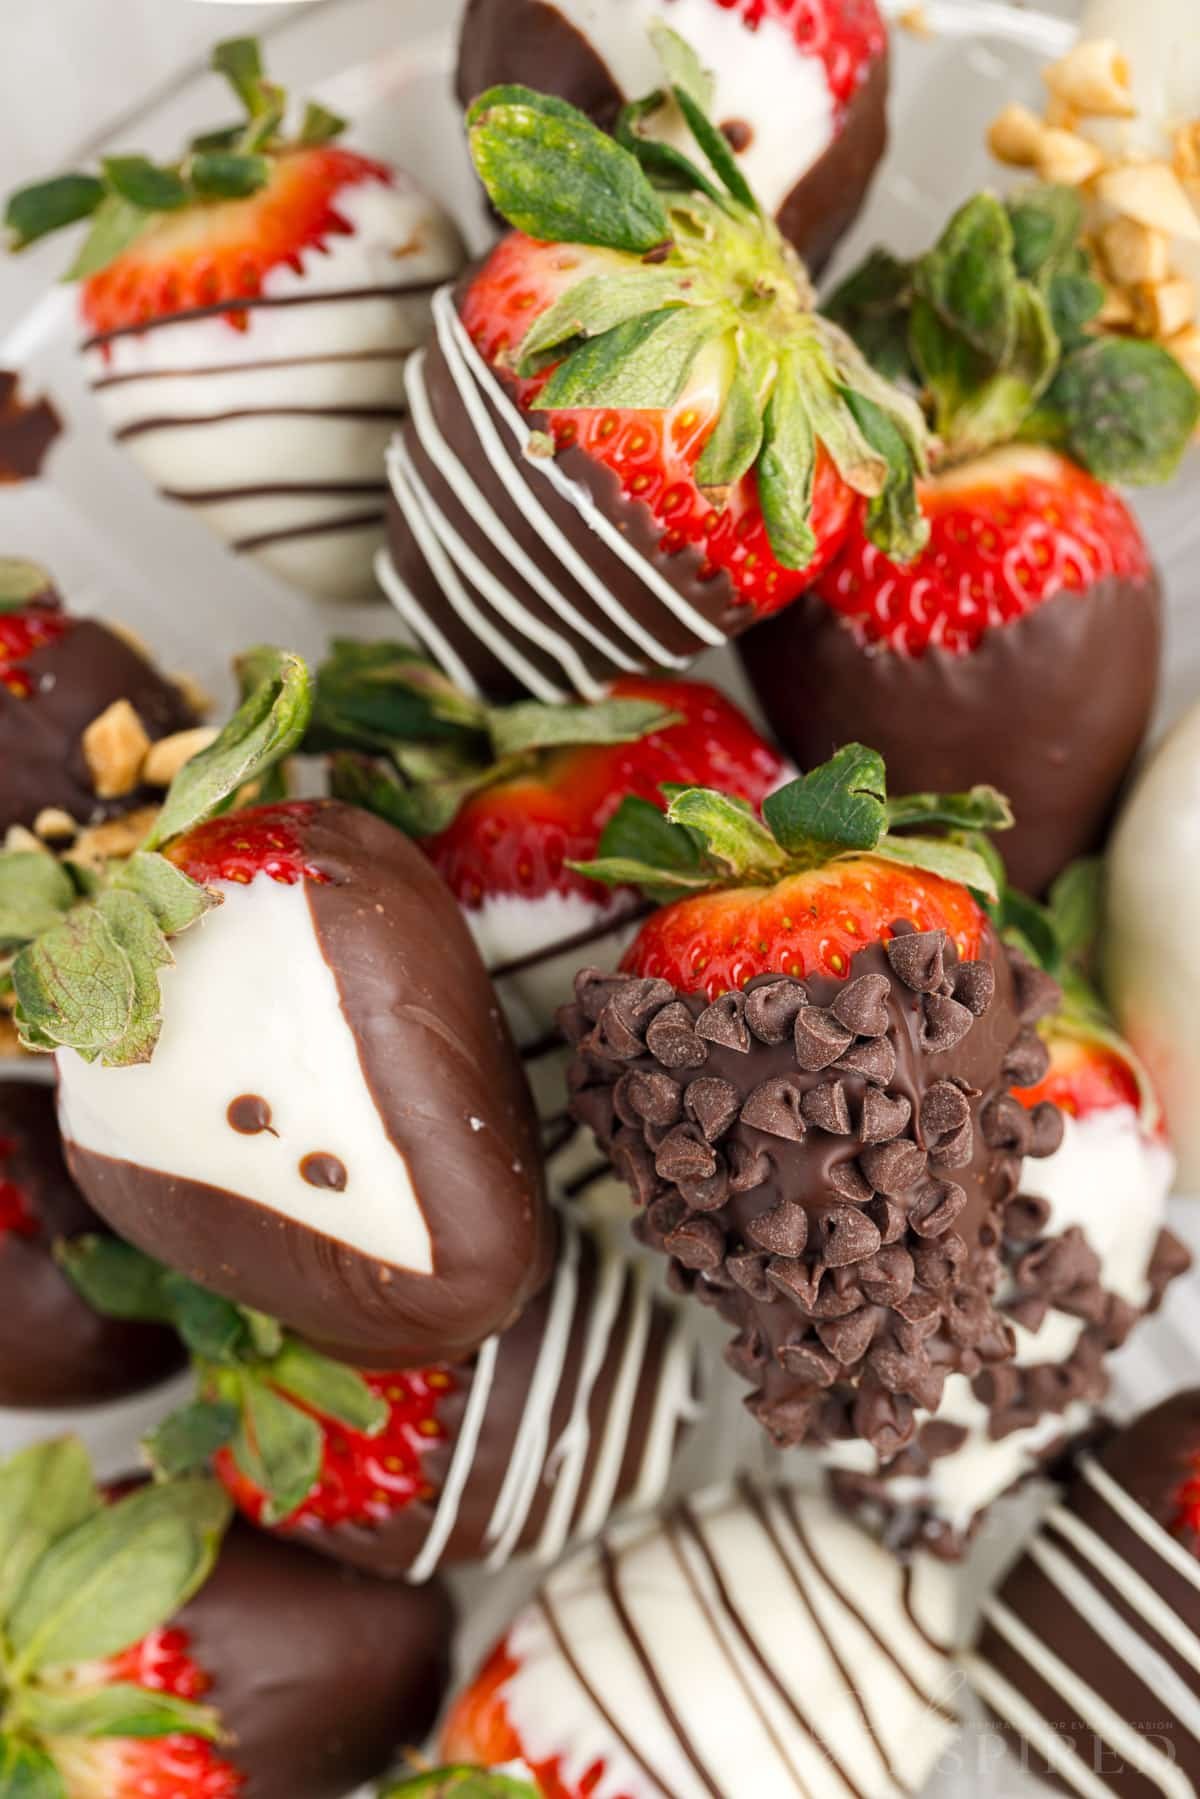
(322, 1170)
(248, 1114)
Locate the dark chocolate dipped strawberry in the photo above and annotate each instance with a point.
(797, 87)
(802, 1073)
(631, 436)
(1087, 1653)
(247, 313)
(1022, 646)
(1085, 1254)
(80, 708)
(282, 1069)
(150, 1655)
(573, 1411)
(55, 1349)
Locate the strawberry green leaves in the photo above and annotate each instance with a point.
(45, 1491)
(22, 583)
(26, 1772)
(1124, 408)
(459, 1783)
(120, 1710)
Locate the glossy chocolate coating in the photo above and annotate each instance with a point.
(531, 43)
(27, 431)
(435, 1053)
(74, 680)
(1051, 709)
(54, 1349)
(323, 1677)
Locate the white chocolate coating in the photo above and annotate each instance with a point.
(301, 403)
(225, 1033)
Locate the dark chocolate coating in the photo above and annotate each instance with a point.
(531, 43)
(54, 1349)
(322, 1676)
(848, 1311)
(27, 430)
(1150, 1460)
(1051, 709)
(74, 680)
(435, 1052)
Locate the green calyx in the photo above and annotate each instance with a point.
(128, 194)
(257, 1386)
(697, 270)
(22, 584)
(81, 1581)
(995, 328)
(708, 840)
(80, 953)
(458, 1783)
(409, 745)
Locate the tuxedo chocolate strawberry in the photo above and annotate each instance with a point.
(71, 691)
(631, 436)
(574, 1410)
(1022, 646)
(281, 1066)
(150, 1655)
(248, 313)
(798, 87)
(802, 1071)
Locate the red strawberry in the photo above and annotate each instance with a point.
(266, 840)
(1084, 1077)
(23, 631)
(1021, 647)
(480, 1731)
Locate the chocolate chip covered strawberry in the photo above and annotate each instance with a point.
(575, 1410)
(248, 311)
(149, 1655)
(798, 87)
(631, 436)
(1022, 646)
(281, 1066)
(801, 1073)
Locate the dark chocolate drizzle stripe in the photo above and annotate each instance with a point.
(257, 367)
(274, 490)
(326, 527)
(563, 1645)
(910, 1612)
(685, 1518)
(565, 946)
(365, 414)
(265, 302)
(610, 1567)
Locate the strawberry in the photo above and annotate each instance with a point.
(22, 631)
(148, 1655)
(1035, 587)
(684, 440)
(788, 1071)
(247, 312)
(479, 1730)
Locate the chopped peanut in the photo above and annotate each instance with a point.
(53, 825)
(1093, 79)
(1185, 347)
(114, 748)
(1117, 311)
(1134, 252)
(165, 758)
(21, 838)
(1151, 193)
(1066, 159)
(1164, 309)
(118, 837)
(1015, 137)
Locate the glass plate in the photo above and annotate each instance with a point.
(116, 548)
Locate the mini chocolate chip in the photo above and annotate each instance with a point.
(944, 1024)
(875, 1061)
(708, 1193)
(1029, 1313)
(919, 960)
(848, 1339)
(748, 1168)
(840, 1291)
(594, 987)
(797, 1281)
(956, 1149)
(750, 1272)
(889, 1219)
(1026, 1217)
(248, 1114)
(632, 1162)
(747, 1354)
(613, 1038)
(1046, 1134)
(786, 1421)
(698, 1243)
(861, 1007)
(883, 1116)
(650, 1096)
(1027, 1059)
(827, 1108)
(974, 986)
(820, 1038)
(595, 1108)
(893, 1168)
(1036, 993)
(666, 1214)
(886, 1280)
(938, 1437)
(1119, 1319)
(685, 1155)
(848, 1179)
(845, 1236)
(672, 1040)
(572, 1024)
(639, 998)
(680, 1280)
(937, 1263)
(1006, 1125)
(783, 1230)
(774, 1107)
(724, 1022)
(943, 1109)
(937, 1206)
(802, 1358)
(772, 1008)
(320, 1169)
(713, 1105)
(885, 1420)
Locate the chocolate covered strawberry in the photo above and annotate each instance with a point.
(281, 1066)
(248, 312)
(632, 436)
(148, 1655)
(80, 709)
(802, 1071)
(1022, 646)
(572, 1411)
(798, 87)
